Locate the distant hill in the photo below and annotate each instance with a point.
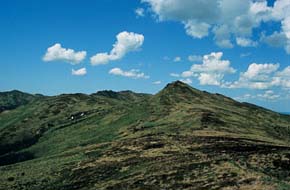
(286, 113)
(179, 138)
(13, 99)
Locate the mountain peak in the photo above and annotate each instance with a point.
(177, 91)
(177, 83)
(179, 87)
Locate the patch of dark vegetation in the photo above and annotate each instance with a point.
(15, 157)
(10, 179)
(217, 145)
(153, 145)
(210, 118)
(18, 145)
(282, 164)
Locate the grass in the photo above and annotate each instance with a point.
(180, 138)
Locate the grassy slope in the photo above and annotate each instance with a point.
(13, 99)
(180, 138)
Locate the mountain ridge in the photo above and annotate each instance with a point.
(179, 138)
(118, 94)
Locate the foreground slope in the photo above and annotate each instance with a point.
(180, 138)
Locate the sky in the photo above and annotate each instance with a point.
(239, 48)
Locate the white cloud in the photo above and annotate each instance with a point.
(58, 53)
(269, 95)
(194, 58)
(126, 42)
(210, 79)
(285, 73)
(187, 81)
(166, 58)
(101, 59)
(79, 72)
(157, 82)
(222, 36)
(186, 74)
(280, 12)
(196, 29)
(211, 71)
(280, 9)
(263, 76)
(258, 72)
(212, 63)
(181, 10)
(245, 54)
(177, 59)
(258, 76)
(245, 42)
(227, 19)
(277, 39)
(140, 12)
(286, 30)
(283, 78)
(174, 75)
(133, 73)
(245, 97)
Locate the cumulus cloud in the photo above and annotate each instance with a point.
(126, 42)
(194, 58)
(166, 58)
(157, 82)
(245, 97)
(268, 95)
(133, 73)
(277, 39)
(283, 78)
(186, 74)
(210, 79)
(226, 19)
(79, 72)
(140, 12)
(258, 72)
(258, 76)
(187, 81)
(174, 75)
(246, 42)
(213, 63)
(58, 53)
(196, 29)
(177, 59)
(245, 54)
(263, 76)
(211, 71)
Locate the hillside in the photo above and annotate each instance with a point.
(179, 138)
(13, 99)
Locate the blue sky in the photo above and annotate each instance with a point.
(238, 48)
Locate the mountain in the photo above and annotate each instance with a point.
(179, 138)
(13, 99)
(286, 113)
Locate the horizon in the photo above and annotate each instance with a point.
(287, 113)
(240, 50)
